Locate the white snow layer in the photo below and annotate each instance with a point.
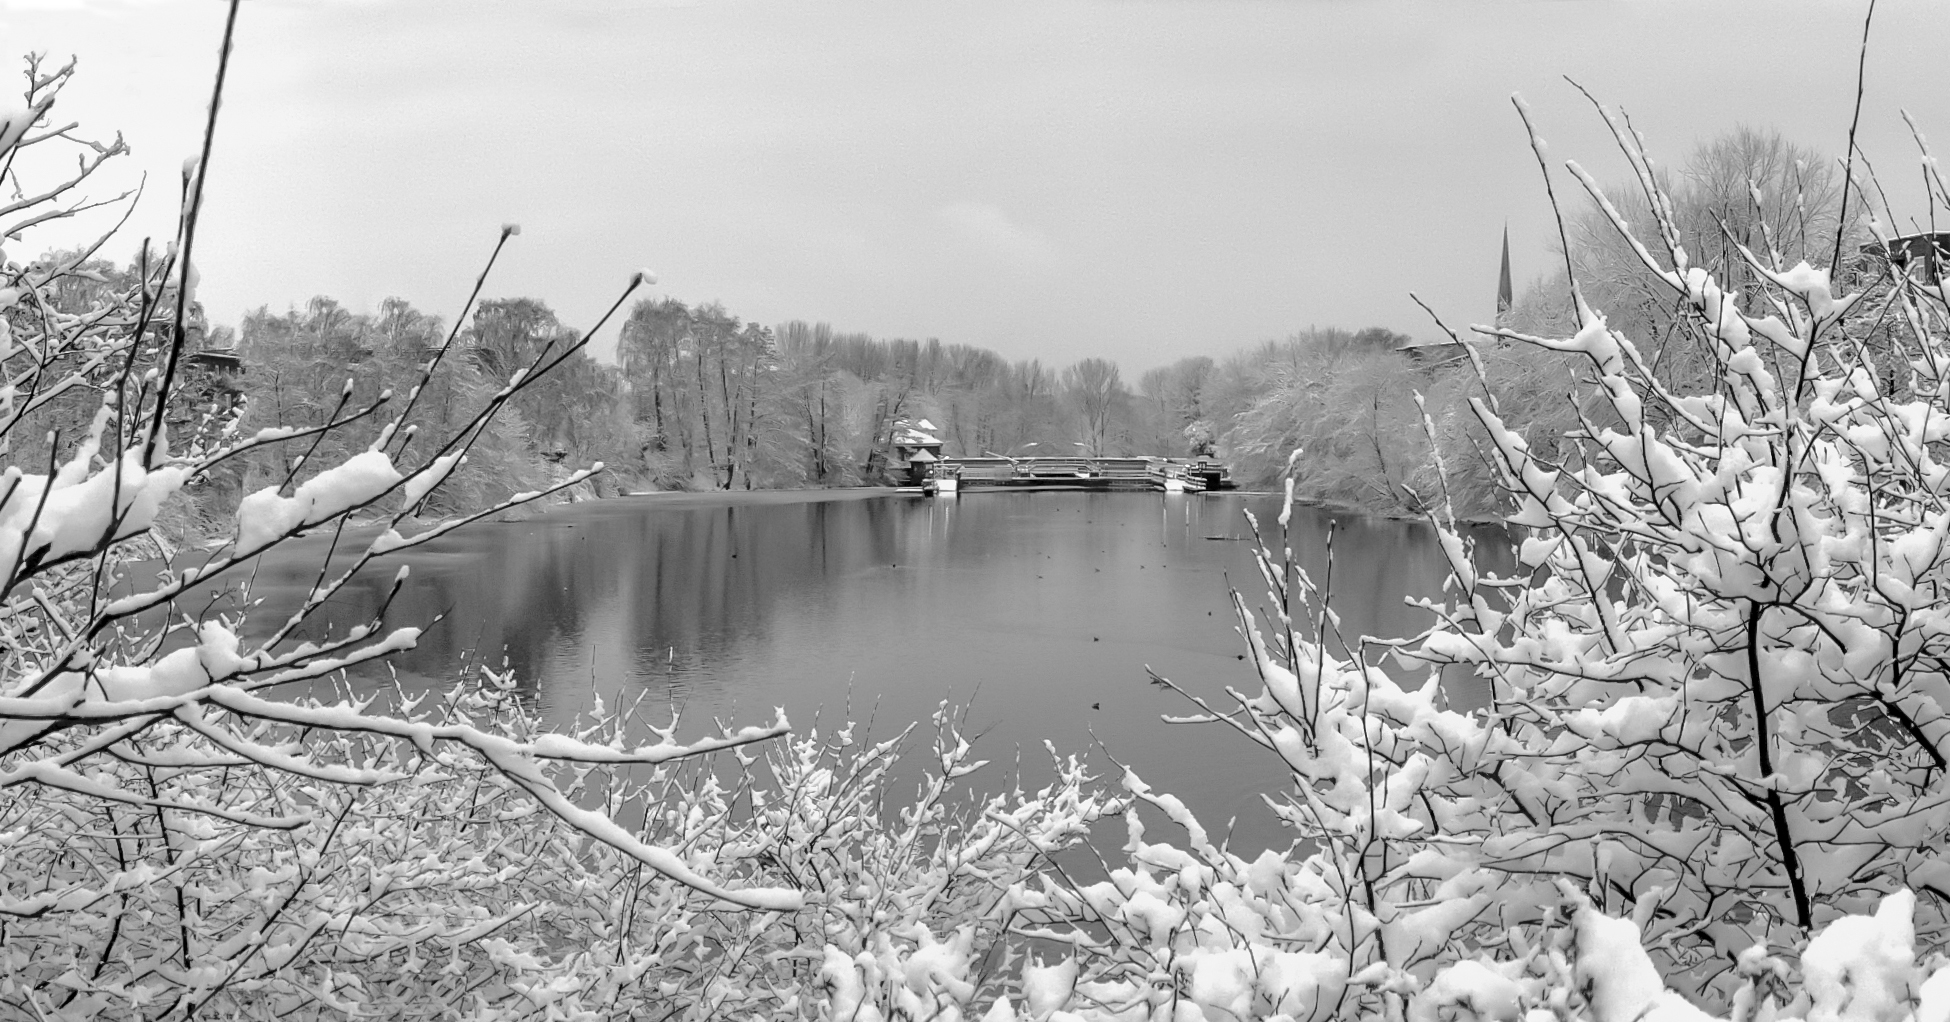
(1863, 968)
(264, 516)
(1621, 983)
(15, 119)
(79, 508)
(181, 672)
(1468, 992)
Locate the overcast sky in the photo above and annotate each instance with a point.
(1138, 179)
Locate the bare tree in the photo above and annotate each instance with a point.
(176, 803)
(1095, 387)
(1750, 188)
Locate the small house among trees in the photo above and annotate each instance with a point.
(916, 451)
(210, 396)
(1430, 356)
(1921, 256)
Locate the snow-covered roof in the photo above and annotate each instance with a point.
(908, 436)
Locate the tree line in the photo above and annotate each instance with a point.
(699, 398)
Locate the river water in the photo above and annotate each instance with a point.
(1036, 613)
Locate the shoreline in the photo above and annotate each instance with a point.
(674, 499)
(364, 527)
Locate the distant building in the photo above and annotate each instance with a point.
(1920, 256)
(224, 363)
(1431, 356)
(916, 452)
(208, 396)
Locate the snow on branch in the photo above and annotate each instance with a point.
(181, 811)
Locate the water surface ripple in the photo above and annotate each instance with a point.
(1037, 612)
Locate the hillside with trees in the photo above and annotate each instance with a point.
(699, 398)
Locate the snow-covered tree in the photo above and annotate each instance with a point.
(1723, 657)
(1712, 767)
(176, 805)
(197, 824)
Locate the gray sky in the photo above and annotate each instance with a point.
(1138, 179)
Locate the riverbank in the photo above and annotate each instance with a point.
(184, 533)
(175, 539)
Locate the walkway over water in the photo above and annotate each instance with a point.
(1171, 475)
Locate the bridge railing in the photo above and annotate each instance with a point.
(1156, 471)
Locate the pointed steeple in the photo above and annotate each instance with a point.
(1504, 296)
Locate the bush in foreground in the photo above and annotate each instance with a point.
(165, 807)
(188, 830)
(1713, 765)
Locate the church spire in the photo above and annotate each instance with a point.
(1504, 296)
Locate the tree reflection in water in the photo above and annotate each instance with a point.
(1037, 612)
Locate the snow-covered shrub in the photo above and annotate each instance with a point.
(1720, 670)
(1578, 963)
(909, 912)
(288, 887)
(1712, 767)
(183, 829)
(188, 828)
(1384, 885)
(450, 892)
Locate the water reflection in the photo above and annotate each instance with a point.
(1039, 612)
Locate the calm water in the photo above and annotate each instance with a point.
(1038, 612)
